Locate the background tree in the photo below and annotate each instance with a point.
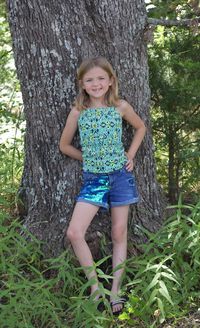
(11, 117)
(175, 94)
(174, 79)
(49, 41)
(9, 84)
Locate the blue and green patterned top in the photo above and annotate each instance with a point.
(101, 139)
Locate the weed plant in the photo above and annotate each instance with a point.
(39, 292)
(164, 282)
(11, 155)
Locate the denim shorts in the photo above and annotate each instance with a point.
(108, 189)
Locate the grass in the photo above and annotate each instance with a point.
(162, 283)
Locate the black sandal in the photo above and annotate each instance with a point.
(121, 300)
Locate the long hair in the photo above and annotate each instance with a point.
(82, 101)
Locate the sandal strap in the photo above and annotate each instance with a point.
(121, 300)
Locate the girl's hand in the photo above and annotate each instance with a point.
(130, 163)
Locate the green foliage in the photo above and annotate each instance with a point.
(8, 80)
(36, 292)
(162, 283)
(5, 48)
(11, 118)
(11, 154)
(172, 9)
(164, 280)
(174, 80)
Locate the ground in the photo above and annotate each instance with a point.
(193, 321)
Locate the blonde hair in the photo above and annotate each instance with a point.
(82, 101)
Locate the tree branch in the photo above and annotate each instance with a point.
(174, 22)
(186, 118)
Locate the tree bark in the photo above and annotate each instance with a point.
(50, 39)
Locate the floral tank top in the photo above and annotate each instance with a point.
(101, 139)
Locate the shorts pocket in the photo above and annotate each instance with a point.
(125, 170)
(127, 173)
(131, 181)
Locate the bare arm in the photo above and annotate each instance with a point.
(68, 134)
(133, 119)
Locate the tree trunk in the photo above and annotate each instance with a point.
(50, 39)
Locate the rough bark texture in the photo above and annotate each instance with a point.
(50, 39)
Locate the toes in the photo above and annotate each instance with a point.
(117, 308)
(117, 305)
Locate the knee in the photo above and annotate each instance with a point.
(74, 234)
(119, 233)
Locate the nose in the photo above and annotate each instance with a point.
(95, 82)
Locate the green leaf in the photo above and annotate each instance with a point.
(102, 261)
(164, 291)
(134, 282)
(124, 316)
(152, 297)
(161, 307)
(153, 282)
(169, 276)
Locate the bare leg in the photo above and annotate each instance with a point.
(81, 219)
(119, 217)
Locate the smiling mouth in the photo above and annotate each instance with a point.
(96, 89)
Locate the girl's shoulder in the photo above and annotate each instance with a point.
(122, 106)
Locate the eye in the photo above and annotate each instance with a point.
(88, 80)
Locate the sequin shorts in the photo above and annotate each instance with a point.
(109, 189)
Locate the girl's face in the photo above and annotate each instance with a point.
(96, 83)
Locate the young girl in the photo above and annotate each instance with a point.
(108, 181)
